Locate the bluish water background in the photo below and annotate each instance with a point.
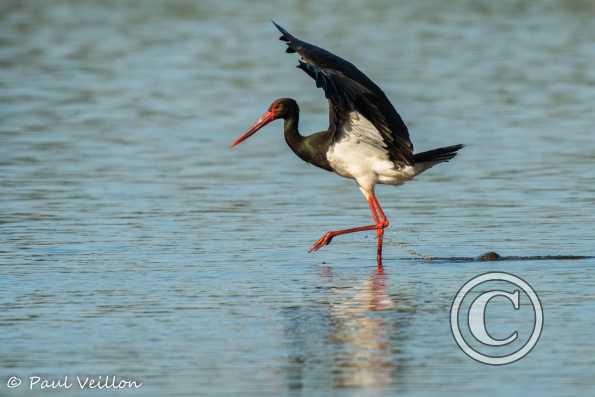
(133, 242)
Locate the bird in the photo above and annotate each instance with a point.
(367, 140)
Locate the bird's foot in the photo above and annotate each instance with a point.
(322, 241)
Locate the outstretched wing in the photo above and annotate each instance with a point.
(348, 90)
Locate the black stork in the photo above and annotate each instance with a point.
(366, 140)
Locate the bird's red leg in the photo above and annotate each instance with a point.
(382, 222)
(380, 237)
(328, 236)
(379, 231)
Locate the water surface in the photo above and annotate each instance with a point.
(133, 242)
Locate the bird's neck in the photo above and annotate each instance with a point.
(292, 136)
(312, 148)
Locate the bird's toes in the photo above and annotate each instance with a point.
(324, 240)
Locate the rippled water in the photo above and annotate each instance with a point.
(133, 242)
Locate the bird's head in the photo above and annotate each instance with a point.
(281, 108)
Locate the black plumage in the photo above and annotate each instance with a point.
(348, 89)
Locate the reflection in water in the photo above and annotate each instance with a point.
(356, 340)
(364, 355)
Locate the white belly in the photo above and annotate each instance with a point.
(360, 154)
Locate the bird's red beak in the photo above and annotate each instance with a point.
(262, 121)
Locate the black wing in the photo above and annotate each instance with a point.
(348, 89)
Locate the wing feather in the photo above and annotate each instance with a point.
(347, 90)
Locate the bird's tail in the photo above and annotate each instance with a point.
(425, 160)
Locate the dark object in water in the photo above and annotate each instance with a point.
(489, 256)
(494, 256)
